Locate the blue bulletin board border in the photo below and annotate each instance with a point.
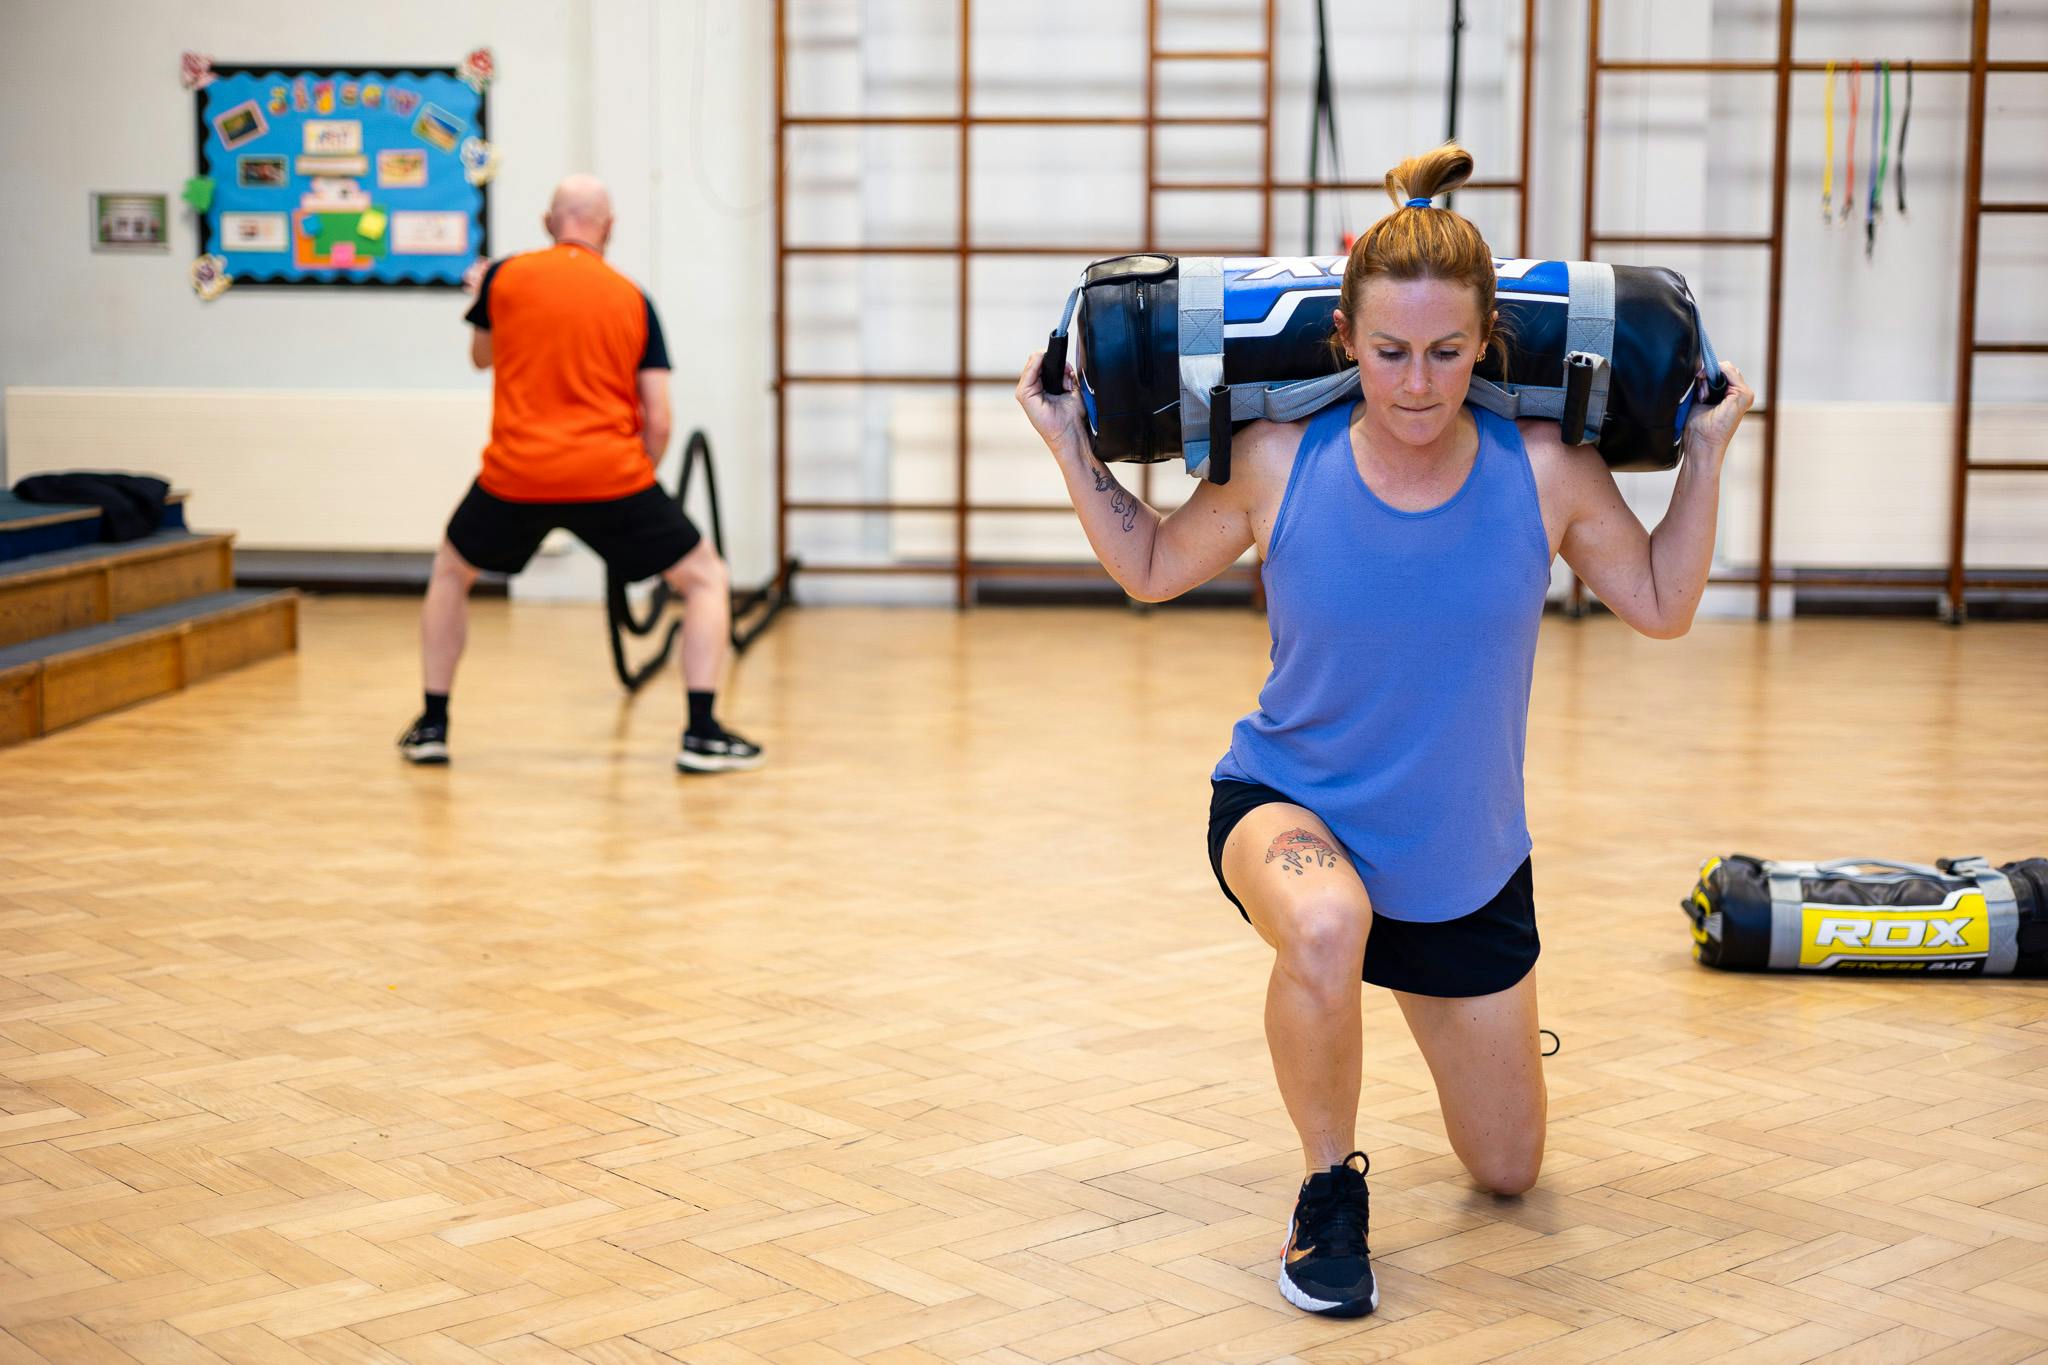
(289, 71)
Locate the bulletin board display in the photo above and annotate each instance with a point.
(329, 177)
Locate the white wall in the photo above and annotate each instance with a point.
(90, 99)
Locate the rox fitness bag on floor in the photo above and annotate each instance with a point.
(1869, 915)
(1178, 351)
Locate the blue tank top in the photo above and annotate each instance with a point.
(1403, 645)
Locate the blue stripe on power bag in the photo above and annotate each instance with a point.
(1533, 277)
(1253, 287)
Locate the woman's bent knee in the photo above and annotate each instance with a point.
(1508, 1172)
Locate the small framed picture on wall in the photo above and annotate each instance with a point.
(129, 222)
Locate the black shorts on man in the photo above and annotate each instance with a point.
(637, 536)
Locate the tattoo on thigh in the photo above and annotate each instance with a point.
(1302, 850)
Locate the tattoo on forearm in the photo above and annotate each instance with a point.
(1302, 850)
(1120, 502)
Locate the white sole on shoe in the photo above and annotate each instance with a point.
(1309, 1303)
(715, 763)
(436, 752)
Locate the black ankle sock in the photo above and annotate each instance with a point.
(437, 709)
(700, 713)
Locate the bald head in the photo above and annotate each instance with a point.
(581, 209)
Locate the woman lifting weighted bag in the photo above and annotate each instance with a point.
(1368, 818)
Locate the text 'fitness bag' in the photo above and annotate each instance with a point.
(1960, 916)
(1177, 351)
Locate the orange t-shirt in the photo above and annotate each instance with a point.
(569, 338)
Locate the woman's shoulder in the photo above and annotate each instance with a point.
(1262, 455)
(1544, 440)
(1267, 446)
(1562, 472)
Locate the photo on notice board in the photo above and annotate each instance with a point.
(243, 123)
(262, 172)
(129, 222)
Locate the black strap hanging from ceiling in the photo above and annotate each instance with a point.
(1905, 118)
(1322, 122)
(1457, 64)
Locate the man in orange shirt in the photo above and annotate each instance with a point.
(579, 417)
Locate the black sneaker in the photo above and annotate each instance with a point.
(1324, 1267)
(425, 742)
(724, 752)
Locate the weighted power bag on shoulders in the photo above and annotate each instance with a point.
(1961, 916)
(1177, 351)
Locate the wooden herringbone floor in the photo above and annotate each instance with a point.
(934, 1041)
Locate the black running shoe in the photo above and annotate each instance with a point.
(724, 752)
(1324, 1268)
(425, 742)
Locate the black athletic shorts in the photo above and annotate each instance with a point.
(1477, 954)
(637, 536)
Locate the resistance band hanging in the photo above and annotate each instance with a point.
(1880, 155)
(1905, 117)
(1849, 177)
(1827, 161)
(1322, 122)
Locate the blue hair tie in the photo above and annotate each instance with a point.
(1418, 203)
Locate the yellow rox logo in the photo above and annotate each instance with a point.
(1957, 931)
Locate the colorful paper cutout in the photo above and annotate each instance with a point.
(479, 161)
(210, 278)
(371, 224)
(477, 69)
(199, 193)
(335, 241)
(195, 72)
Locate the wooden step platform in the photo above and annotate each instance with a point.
(64, 590)
(70, 676)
